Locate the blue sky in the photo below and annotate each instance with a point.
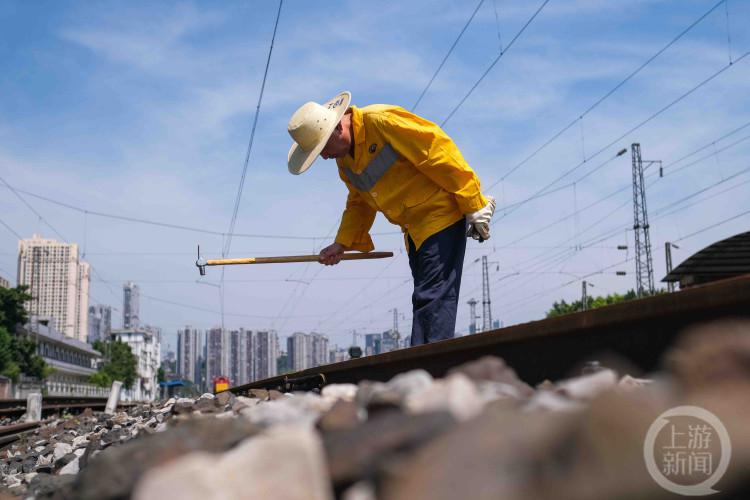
(144, 109)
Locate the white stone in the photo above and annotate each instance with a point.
(29, 476)
(362, 490)
(283, 463)
(165, 409)
(395, 390)
(79, 452)
(587, 387)
(42, 460)
(347, 392)
(62, 449)
(303, 409)
(12, 480)
(410, 382)
(628, 383)
(70, 468)
(80, 441)
(456, 394)
(491, 391)
(248, 401)
(39, 449)
(207, 395)
(551, 401)
(185, 400)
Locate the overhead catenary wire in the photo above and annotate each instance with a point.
(494, 62)
(30, 207)
(607, 95)
(233, 221)
(204, 309)
(658, 213)
(712, 226)
(665, 168)
(633, 129)
(450, 51)
(140, 220)
(6, 226)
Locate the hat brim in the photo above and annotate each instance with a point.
(299, 160)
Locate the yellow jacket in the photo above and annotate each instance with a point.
(428, 187)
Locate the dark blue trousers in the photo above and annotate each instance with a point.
(436, 268)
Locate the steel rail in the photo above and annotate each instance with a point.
(639, 331)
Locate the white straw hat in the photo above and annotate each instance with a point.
(310, 127)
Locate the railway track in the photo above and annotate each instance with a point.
(14, 408)
(639, 331)
(53, 404)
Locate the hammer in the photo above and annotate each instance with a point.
(201, 263)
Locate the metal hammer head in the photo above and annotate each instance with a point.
(201, 263)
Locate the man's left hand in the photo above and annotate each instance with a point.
(478, 223)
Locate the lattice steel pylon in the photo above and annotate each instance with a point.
(644, 266)
(486, 303)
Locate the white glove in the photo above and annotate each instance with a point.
(478, 223)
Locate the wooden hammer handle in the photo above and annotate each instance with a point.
(295, 258)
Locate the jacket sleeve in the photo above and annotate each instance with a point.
(356, 221)
(432, 152)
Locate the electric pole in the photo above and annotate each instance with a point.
(473, 316)
(395, 335)
(668, 254)
(486, 303)
(584, 298)
(644, 267)
(585, 295)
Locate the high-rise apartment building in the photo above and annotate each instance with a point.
(59, 282)
(130, 305)
(306, 350)
(319, 349)
(267, 352)
(248, 358)
(189, 349)
(4, 283)
(298, 347)
(217, 349)
(99, 323)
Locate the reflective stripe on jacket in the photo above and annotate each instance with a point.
(427, 188)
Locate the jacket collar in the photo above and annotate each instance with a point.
(358, 131)
(358, 125)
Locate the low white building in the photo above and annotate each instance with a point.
(146, 347)
(71, 360)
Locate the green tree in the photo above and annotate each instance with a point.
(120, 364)
(161, 375)
(562, 307)
(17, 351)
